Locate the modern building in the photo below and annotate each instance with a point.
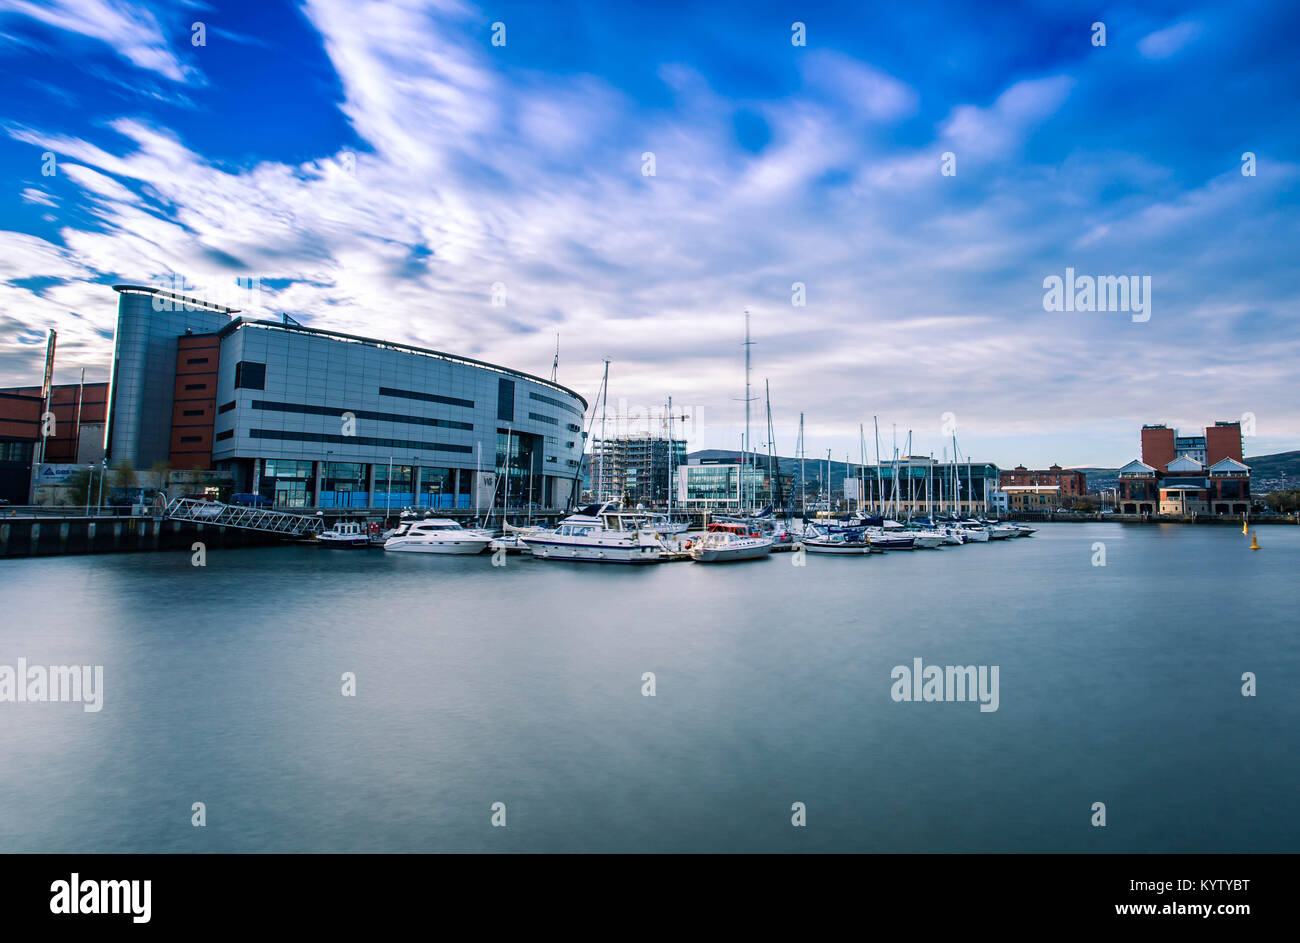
(312, 418)
(637, 468)
(1181, 475)
(719, 485)
(1068, 482)
(923, 486)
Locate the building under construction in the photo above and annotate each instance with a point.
(636, 469)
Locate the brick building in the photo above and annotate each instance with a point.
(1194, 474)
(1070, 483)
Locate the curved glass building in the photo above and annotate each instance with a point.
(311, 418)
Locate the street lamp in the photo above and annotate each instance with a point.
(99, 502)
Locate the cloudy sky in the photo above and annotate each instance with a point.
(380, 166)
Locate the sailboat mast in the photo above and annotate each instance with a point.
(670, 460)
(748, 398)
(880, 482)
(773, 478)
(828, 482)
(803, 478)
(604, 400)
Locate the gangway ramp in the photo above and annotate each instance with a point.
(285, 523)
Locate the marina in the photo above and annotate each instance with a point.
(522, 683)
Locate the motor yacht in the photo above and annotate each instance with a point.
(599, 533)
(438, 535)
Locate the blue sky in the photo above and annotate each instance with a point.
(381, 166)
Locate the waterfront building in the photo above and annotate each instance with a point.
(1032, 497)
(718, 485)
(924, 486)
(76, 441)
(313, 418)
(636, 468)
(1161, 444)
(1180, 475)
(1069, 483)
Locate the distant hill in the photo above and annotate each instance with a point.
(1280, 465)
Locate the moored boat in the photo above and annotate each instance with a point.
(344, 535)
(598, 533)
(437, 535)
(725, 543)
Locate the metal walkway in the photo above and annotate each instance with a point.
(247, 518)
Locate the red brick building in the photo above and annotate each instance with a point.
(1072, 483)
(77, 437)
(1196, 474)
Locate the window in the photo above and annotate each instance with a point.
(426, 397)
(357, 440)
(538, 417)
(192, 412)
(191, 438)
(227, 407)
(311, 410)
(194, 360)
(196, 386)
(506, 399)
(250, 375)
(223, 436)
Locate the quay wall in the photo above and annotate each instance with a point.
(49, 536)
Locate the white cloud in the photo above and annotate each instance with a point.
(924, 292)
(31, 195)
(130, 28)
(1164, 43)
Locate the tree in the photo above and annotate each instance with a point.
(125, 476)
(76, 487)
(1283, 501)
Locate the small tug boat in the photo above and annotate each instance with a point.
(344, 535)
(727, 542)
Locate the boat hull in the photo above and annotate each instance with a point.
(852, 548)
(730, 554)
(553, 549)
(400, 545)
(894, 543)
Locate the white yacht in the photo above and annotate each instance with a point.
(661, 524)
(973, 533)
(437, 535)
(599, 533)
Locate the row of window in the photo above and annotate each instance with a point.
(359, 440)
(555, 402)
(309, 410)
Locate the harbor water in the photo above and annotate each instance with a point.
(525, 685)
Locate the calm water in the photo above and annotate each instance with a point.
(522, 685)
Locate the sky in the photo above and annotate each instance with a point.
(635, 177)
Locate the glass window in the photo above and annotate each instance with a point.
(250, 375)
(506, 399)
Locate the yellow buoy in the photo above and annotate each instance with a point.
(1254, 541)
